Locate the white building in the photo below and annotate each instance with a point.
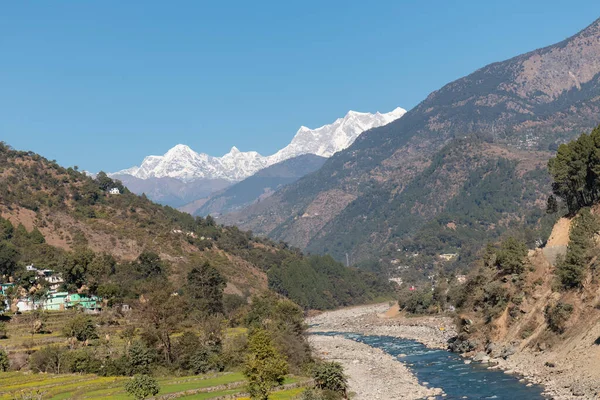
(114, 191)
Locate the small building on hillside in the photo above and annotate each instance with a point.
(87, 303)
(114, 191)
(27, 304)
(56, 301)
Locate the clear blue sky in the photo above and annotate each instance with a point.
(100, 84)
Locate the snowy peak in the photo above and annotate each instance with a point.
(183, 163)
(329, 139)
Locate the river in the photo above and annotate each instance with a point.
(448, 371)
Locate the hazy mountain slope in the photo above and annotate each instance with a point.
(170, 191)
(530, 102)
(258, 186)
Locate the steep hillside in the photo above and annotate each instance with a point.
(520, 109)
(537, 312)
(61, 213)
(533, 325)
(257, 187)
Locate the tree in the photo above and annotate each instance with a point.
(330, 376)
(104, 182)
(571, 270)
(142, 387)
(6, 229)
(551, 205)
(510, 259)
(159, 314)
(576, 171)
(140, 358)
(205, 287)
(265, 368)
(80, 327)
(8, 258)
(149, 265)
(76, 266)
(47, 359)
(36, 237)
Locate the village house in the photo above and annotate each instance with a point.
(114, 191)
(55, 300)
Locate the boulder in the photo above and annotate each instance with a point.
(481, 357)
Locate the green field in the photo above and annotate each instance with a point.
(87, 386)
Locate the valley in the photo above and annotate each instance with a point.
(447, 251)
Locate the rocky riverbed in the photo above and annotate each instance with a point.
(372, 374)
(562, 380)
(377, 319)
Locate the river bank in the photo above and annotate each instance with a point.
(380, 319)
(372, 374)
(433, 332)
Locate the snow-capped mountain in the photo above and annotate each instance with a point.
(183, 163)
(329, 139)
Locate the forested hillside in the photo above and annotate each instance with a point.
(64, 220)
(397, 184)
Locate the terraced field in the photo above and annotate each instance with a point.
(20, 343)
(17, 385)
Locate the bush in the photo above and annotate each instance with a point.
(140, 358)
(4, 362)
(81, 327)
(495, 298)
(557, 316)
(142, 386)
(47, 359)
(510, 258)
(79, 361)
(416, 302)
(315, 394)
(330, 376)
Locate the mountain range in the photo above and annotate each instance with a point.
(465, 165)
(184, 164)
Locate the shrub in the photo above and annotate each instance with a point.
(140, 358)
(315, 394)
(4, 362)
(330, 376)
(79, 361)
(142, 386)
(510, 258)
(557, 316)
(47, 359)
(416, 302)
(81, 327)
